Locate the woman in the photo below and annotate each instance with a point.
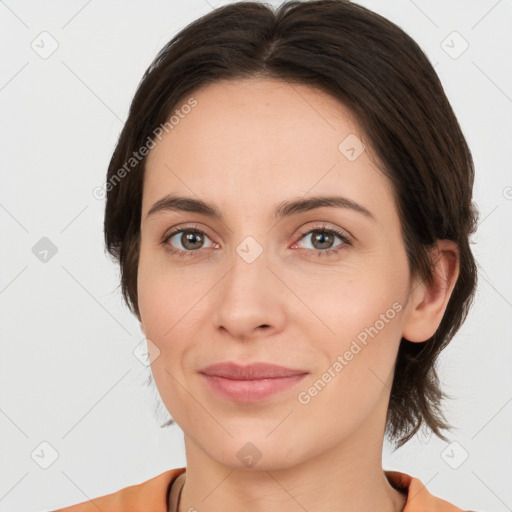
(290, 202)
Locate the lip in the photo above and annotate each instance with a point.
(253, 371)
(251, 383)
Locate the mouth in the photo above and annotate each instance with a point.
(251, 383)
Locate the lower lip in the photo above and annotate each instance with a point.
(247, 391)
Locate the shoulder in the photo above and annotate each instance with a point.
(419, 499)
(151, 496)
(148, 496)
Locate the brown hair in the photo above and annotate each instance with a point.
(383, 77)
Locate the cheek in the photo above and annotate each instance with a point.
(343, 304)
(358, 332)
(173, 306)
(358, 359)
(167, 307)
(166, 295)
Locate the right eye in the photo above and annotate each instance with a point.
(190, 239)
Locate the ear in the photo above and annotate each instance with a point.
(427, 302)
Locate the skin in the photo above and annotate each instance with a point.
(247, 145)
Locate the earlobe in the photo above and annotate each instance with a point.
(428, 301)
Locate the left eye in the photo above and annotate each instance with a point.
(323, 239)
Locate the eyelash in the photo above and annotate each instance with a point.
(319, 253)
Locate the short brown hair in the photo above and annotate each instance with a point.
(383, 77)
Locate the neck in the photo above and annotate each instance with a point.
(345, 478)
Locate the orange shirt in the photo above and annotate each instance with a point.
(152, 496)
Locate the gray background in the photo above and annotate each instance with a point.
(68, 375)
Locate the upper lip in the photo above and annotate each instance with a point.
(253, 371)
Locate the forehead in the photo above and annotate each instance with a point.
(252, 141)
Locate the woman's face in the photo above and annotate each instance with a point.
(256, 286)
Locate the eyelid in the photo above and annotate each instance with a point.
(302, 231)
(189, 226)
(343, 235)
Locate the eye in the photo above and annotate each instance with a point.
(323, 239)
(190, 239)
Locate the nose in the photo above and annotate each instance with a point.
(249, 298)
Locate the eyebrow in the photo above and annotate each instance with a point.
(284, 209)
